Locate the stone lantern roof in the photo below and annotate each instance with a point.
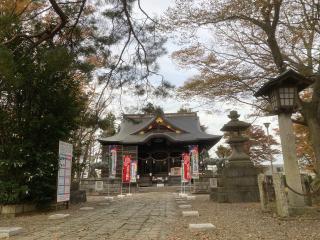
(235, 124)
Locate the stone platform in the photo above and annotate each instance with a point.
(236, 184)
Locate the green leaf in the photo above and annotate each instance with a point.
(7, 65)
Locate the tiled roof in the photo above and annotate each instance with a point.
(187, 122)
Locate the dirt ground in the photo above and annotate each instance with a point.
(244, 221)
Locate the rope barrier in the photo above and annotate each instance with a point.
(302, 194)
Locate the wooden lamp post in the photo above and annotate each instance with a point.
(282, 93)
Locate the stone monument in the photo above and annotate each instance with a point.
(237, 181)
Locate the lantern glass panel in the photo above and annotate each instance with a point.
(287, 96)
(274, 99)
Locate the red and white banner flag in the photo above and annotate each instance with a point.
(186, 167)
(126, 169)
(133, 171)
(113, 161)
(194, 155)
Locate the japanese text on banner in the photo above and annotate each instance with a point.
(126, 169)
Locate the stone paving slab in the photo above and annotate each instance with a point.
(191, 197)
(86, 208)
(181, 202)
(109, 198)
(201, 226)
(184, 206)
(6, 232)
(104, 204)
(183, 195)
(58, 216)
(190, 214)
(145, 216)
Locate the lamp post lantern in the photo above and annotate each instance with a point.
(282, 92)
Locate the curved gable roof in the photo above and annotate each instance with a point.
(154, 120)
(189, 123)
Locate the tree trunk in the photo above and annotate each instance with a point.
(314, 128)
(310, 114)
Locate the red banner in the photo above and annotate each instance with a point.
(186, 167)
(126, 169)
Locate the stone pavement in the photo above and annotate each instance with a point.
(142, 216)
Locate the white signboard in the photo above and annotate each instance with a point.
(213, 182)
(64, 173)
(99, 185)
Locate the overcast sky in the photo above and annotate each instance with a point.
(213, 116)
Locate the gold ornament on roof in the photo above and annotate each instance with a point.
(159, 120)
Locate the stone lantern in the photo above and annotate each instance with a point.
(234, 129)
(282, 93)
(237, 181)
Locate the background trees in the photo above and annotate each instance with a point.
(53, 56)
(40, 104)
(261, 148)
(253, 40)
(304, 147)
(223, 151)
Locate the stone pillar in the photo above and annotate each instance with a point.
(290, 160)
(263, 194)
(281, 197)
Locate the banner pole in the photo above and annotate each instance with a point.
(181, 175)
(108, 187)
(183, 187)
(129, 187)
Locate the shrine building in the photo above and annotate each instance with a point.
(157, 143)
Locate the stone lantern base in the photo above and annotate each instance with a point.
(237, 183)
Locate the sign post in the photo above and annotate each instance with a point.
(64, 172)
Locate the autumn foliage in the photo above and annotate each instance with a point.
(260, 147)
